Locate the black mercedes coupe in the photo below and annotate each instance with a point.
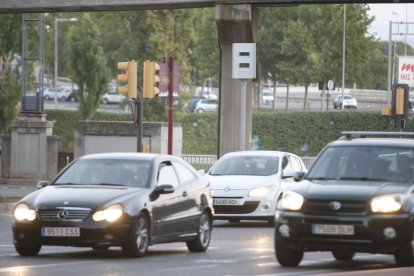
(128, 200)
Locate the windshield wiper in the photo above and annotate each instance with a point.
(362, 178)
(108, 184)
(68, 183)
(320, 178)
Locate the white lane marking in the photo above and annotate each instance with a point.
(20, 269)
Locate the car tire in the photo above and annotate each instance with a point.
(343, 255)
(202, 241)
(73, 99)
(287, 256)
(405, 254)
(137, 246)
(46, 98)
(105, 101)
(63, 99)
(28, 250)
(200, 110)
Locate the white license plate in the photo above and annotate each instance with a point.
(332, 229)
(226, 201)
(60, 232)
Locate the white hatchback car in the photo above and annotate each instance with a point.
(245, 185)
(348, 101)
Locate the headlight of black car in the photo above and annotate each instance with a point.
(387, 203)
(23, 212)
(290, 201)
(110, 214)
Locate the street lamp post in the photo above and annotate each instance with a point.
(57, 20)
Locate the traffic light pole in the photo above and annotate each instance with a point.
(170, 62)
(139, 114)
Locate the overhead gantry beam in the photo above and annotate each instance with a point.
(30, 6)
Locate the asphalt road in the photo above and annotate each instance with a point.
(245, 248)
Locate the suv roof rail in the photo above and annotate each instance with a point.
(363, 134)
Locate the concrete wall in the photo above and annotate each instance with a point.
(31, 150)
(109, 136)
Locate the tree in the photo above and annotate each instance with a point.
(10, 38)
(87, 65)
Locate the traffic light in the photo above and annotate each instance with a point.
(151, 79)
(399, 100)
(128, 79)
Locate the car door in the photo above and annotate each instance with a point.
(168, 209)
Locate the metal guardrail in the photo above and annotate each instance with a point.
(210, 159)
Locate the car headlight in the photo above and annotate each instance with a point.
(24, 212)
(111, 214)
(259, 192)
(290, 201)
(386, 203)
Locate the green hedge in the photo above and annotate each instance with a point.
(289, 131)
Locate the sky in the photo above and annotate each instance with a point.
(384, 13)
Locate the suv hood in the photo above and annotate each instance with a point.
(346, 189)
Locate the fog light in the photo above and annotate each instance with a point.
(284, 230)
(266, 207)
(389, 233)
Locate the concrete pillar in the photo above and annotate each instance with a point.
(235, 24)
(30, 148)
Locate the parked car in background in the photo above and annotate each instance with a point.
(348, 102)
(192, 104)
(267, 97)
(112, 97)
(127, 200)
(358, 196)
(60, 93)
(206, 105)
(245, 185)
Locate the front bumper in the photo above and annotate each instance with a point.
(91, 234)
(369, 232)
(250, 209)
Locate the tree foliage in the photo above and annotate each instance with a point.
(9, 87)
(87, 64)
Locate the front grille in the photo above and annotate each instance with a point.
(247, 207)
(323, 207)
(63, 214)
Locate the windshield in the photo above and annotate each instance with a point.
(107, 172)
(246, 165)
(364, 163)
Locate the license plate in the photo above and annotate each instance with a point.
(332, 229)
(60, 232)
(226, 201)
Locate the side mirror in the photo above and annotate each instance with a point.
(299, 176)
(41, 184)
(161, 189)
(288, 174)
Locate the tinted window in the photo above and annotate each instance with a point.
(167, 175)
(365, 163)
(184, 174)
(107, 171)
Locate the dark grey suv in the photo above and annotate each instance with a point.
(357, 197)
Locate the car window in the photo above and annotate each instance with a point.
(365, 163)
(296, 164)
(167, 175)
(107, 171)
(246, 165)
(184, 174)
